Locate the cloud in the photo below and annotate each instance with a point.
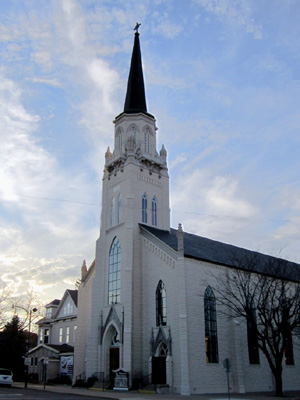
(236, 12)
(48, 81)
(168, 29)
(33, 229)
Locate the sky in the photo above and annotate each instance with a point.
(222, 79)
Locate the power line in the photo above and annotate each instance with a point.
(61, 200)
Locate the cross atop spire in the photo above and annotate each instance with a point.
(137, 27)
(135, 101)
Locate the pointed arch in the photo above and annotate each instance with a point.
(211, 335)
(147, 133)
(119, 139)
(112, 212)
(114, 276)
(120, 208)
(144, 208)
(161, 306)
(154, 211)
(132, 131)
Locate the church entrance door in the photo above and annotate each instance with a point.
(159, 370)
(114, 356)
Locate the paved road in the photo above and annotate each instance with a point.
(32, 394)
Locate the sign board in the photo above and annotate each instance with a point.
(27, 360)
(121, 381)
(227, 364)
(66, 365)
(46, 360)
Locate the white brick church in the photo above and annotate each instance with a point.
(146, 305)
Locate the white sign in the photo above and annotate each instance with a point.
(66, 365)
(27, 360)
(46, 360)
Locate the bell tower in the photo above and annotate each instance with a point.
(135, 191)
(135, 157)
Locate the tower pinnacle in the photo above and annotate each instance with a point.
(135, 101)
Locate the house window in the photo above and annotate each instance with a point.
(68, 334)
(112, 212)
(68, 309)
(211, 336)
(114, 279)
(120, 209)
(161, 307)
(144, 208)
(46, 336)
(60, 335)
(252, 333)
(41, 335)
(154, 212)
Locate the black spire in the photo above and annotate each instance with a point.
(135, 101)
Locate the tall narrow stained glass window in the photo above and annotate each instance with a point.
(120, 209)
(114, 277)
(112, 212)
(252, 333)
(144, 208)
(154, 212)
(161, 306)
(211, 336)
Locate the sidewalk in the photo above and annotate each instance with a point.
(135, 395)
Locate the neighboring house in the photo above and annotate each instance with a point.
(56, 338)
(146, 304)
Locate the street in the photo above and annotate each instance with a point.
(30, 394)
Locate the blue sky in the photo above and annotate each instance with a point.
(223, 81)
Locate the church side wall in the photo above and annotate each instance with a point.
(83, 320)
(232, 343)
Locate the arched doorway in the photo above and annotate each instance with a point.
(114, 353)
(159, 370)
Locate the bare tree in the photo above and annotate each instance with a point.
(28, 308)
(5, 291)
(266, 294)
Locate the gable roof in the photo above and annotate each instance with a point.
(62, 348)
(74, 295)
(54, 302)
(201, 248)
(56, 348)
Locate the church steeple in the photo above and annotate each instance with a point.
(135, 101)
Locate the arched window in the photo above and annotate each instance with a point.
(120, 209)
(114, 277)
(147, 140)
(211, 336)
(119, 139)
(144, 208)
(133, 131)
(161, 306)
(154, 212)
(252, 332)
(112, 212)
